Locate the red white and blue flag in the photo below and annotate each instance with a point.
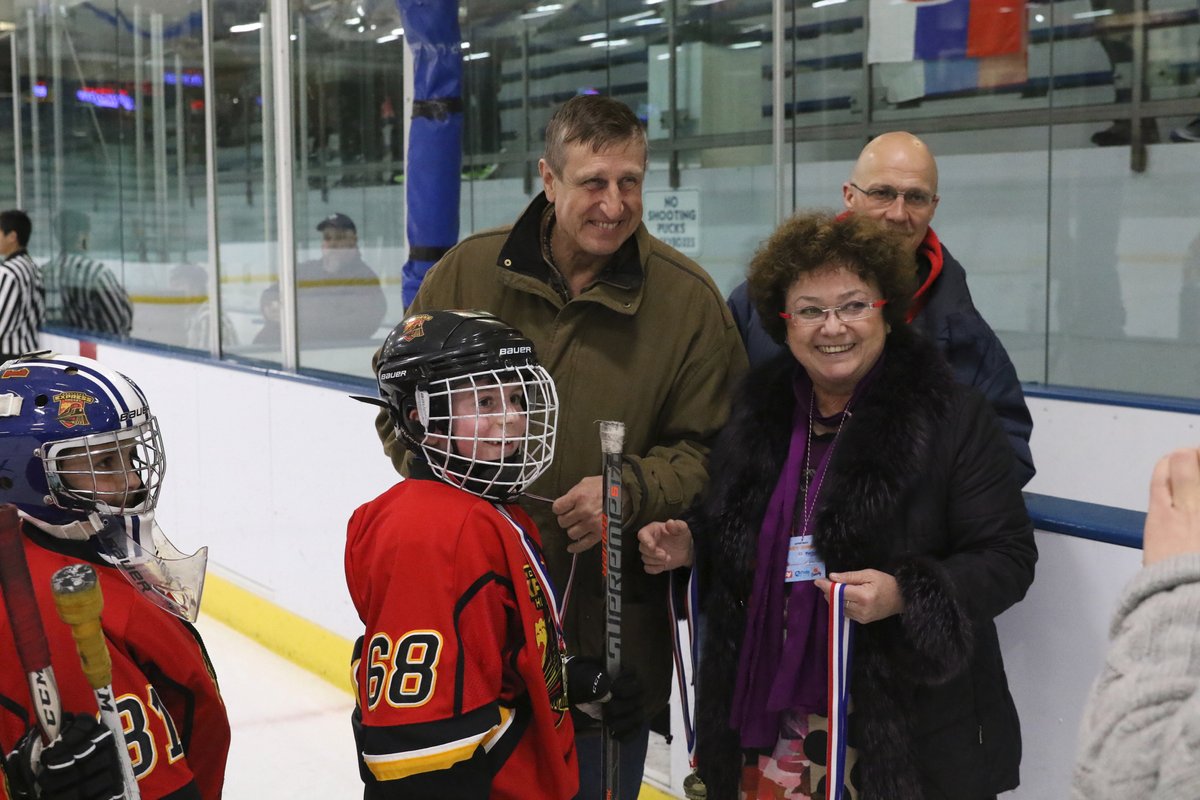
(964, 44)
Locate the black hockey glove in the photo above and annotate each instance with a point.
(623, 713)
(81, 764)
(591, 691)
(587, 682)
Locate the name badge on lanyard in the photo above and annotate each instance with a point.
(803, 562)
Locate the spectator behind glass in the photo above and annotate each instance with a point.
(338, 297)
(895, 181)
(83, 293)
(858, 452)
(1138, 737)
(189, 283)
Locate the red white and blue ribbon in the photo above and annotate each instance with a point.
(690, 605)
(841, 640)
(533, 555)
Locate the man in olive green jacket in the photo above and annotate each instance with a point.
(631, 330)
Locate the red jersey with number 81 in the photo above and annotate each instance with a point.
(174, 720)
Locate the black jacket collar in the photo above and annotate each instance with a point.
(522, 252)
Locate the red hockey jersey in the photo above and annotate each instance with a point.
(175, 724)
(459, 676)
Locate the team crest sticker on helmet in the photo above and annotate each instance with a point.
(21, 372)
(414, 327)
(72, 408)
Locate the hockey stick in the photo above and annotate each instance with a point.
(79, 601)
(26, 623)
(612, 442)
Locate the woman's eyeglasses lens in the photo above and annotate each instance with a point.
(847, 312)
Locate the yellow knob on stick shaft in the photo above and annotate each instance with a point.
(79, 601)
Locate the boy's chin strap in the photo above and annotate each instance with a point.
(80, 530)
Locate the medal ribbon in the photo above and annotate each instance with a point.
(841, 641)
(685, 705)
(533, 555)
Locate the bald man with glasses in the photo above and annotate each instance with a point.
(895, 181)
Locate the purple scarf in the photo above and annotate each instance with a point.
(778, 672)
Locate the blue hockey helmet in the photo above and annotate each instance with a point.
(66, 425)
(81, 457)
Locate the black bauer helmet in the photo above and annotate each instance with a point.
(485, 409)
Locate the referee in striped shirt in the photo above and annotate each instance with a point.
(80, 292)
(21, 304)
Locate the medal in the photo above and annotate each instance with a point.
(694, 788)
(561, 703)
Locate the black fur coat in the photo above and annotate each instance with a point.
(920, 486)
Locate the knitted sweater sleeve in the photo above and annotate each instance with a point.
(1140, 735)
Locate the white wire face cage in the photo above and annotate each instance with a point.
(115, 472)
(491, 432)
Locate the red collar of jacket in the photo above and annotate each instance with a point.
(931, 248)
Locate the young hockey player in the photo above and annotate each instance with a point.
(462, 673)
(82, 459)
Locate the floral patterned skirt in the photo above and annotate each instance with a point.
(795, 768)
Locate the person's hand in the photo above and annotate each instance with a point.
(870, 595)
(1173, 518)
(579, 513)
(81, 764)
(665, 545)
(619, 703)
(587, 683)
(624, 711)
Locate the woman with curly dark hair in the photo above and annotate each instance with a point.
(854, 458)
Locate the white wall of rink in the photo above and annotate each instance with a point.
(265, 469)
(262, 468)
(1103, 453)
